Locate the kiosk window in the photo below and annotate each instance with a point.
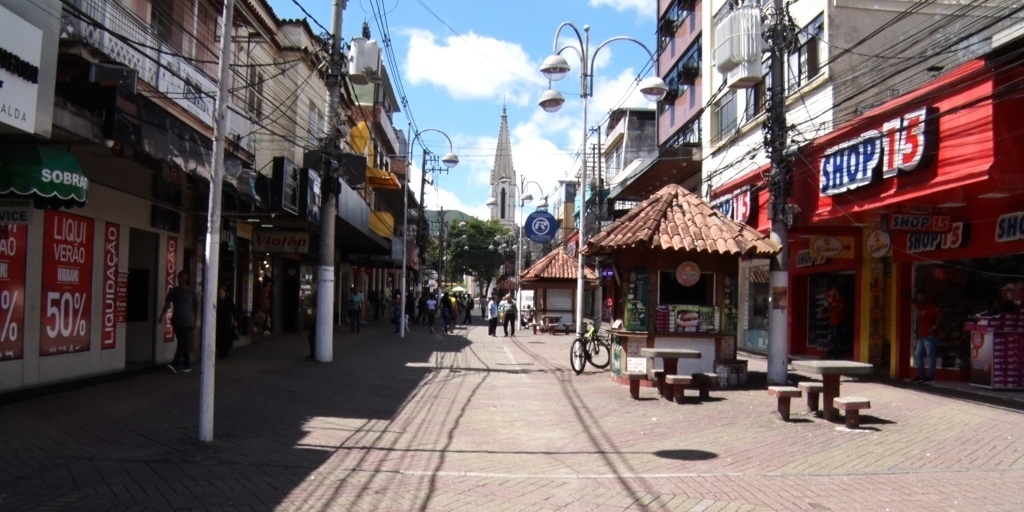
(700, 294)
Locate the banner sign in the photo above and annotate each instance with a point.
(958, 236)
(926, 223)
(804, 259)
(839, 247)
(290, 242)
(170, 271)
(1010, 227)
(66, 309)
(111, 252)
(13, 239)
(903, 145)
(15, 211)
(121, 306)
(736, 206)
(541, 227)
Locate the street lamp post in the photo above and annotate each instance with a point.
(524, 197)
(555, 68)
(450, 160)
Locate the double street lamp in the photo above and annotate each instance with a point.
(450, 160)
(555, 68)
(524, 198)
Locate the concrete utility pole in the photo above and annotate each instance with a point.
(778, 34)
(212, 254)
(325, 273)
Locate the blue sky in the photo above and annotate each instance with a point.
(457, 79)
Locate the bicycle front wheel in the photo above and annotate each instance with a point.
(598, 353)
(577, 356)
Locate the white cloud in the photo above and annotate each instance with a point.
(642, 7)
(471, 66)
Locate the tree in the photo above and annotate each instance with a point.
(473, 255)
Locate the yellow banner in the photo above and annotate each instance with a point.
(838, 247)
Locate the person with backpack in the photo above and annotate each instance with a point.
(508, 313)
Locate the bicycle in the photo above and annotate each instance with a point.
(589, 347)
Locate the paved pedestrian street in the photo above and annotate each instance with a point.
(469, 422)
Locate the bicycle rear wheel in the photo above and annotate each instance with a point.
(577, 356)
(598, 353)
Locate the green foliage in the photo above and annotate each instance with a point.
(474, 255)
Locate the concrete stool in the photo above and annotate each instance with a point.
(784, 393)
(634, 383)
(674, 385)
(658, 381)
(813, 389)
(705, 381)
(851, 405)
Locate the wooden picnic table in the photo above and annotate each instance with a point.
(830, 372)
(671, 357)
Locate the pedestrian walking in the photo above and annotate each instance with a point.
(447, 313)
(928, 316)
(226, 331)
(492, 316)
(431, 309)
(422, 315)
(508, 314)
(469, 310)
(183, 305)
(355, 306)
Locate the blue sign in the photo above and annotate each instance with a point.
(852, 164)
(541, 227)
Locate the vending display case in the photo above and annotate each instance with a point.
(997, 351)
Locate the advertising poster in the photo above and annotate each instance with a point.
(636, 302)
(122, 299)
(111, 253)
(13, 239)
(170, 279)
(66, 308)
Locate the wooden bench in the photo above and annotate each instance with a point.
(704, 382)
(674, 386)
(784, 394)
(851, 405)
(813, 389)
(634, 383)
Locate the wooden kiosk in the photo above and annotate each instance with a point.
(677, 260)
(553, 278)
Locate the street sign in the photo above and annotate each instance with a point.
(541, 227)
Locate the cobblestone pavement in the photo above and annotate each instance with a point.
(469, 422)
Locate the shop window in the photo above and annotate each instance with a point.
(755, 300)
(830, 318)
(702, 293)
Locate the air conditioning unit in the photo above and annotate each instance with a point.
(365, 61)
(114, 74)
(740, 46)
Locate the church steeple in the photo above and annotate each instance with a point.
(503, 175)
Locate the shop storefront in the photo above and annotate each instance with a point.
(914, 205)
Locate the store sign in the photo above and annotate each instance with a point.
(15, 211)
(736, 206)
(121, 306)
(290, 242)
(111, 253)
(805, 259)
(66, 309)
(840, 247)
(20, 49)
(170, 271)
(958, 236)
(688, 273)
(13, 239)
(903, 145)
(541, 227)
(1010, 227)
(930, 223)
(879, 244)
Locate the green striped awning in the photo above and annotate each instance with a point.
(49, 176)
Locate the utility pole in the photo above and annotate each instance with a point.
(778, 184)
(325, 273)
(212, 255)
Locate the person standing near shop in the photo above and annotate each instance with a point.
(491, 315)
(508, 314)
(226, 333)
(183, 304)
(928, 317)
(355, 307)
(836, 310)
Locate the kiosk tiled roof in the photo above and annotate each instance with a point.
(675, 218)
(557, 265)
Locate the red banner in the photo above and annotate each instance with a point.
(111, 253)
(121, 307)
(169, 279)
(13, 239)
(66, 307)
